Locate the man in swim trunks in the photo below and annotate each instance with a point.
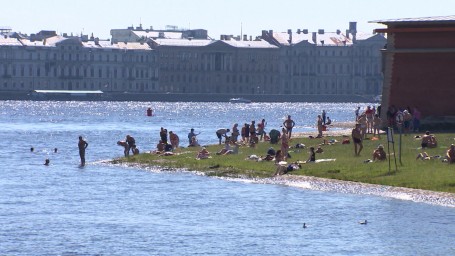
(357, 138)
(221, 133)
(289, 124)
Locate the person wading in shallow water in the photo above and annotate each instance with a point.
(82, 146)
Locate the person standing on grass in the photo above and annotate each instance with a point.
(357, 139)
(289, 124)
(284, 144)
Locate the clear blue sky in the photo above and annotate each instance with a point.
(217, 16)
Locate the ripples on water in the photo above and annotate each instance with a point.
(114, 210)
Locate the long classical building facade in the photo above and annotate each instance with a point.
(146, 61)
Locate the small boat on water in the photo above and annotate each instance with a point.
(239, 100)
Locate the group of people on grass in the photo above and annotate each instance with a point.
(368, 121)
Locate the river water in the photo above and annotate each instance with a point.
(101, 209)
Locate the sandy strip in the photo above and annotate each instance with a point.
(323, 184)
(330, 185)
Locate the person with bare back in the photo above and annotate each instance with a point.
(289, 124)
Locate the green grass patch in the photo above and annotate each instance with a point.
(432, 174)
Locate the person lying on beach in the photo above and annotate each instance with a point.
(425, 156)
(227, 148)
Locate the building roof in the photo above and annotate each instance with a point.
(9, 41)
(182, 42)
(329, 38)
(48, 42)
(249, 44)
(435, 19)
(156, 34)
(131, 46)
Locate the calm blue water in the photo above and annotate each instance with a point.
(63, 209)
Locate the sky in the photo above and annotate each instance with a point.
(229, 17)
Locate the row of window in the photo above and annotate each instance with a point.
(104, 86)
(88, 56)
(74, 71)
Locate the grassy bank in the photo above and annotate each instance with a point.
(429, 175)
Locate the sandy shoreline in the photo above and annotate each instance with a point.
(331, 185)
(323, 184)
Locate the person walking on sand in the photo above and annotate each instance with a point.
(357, 138)
(289, 124)
(82, 146)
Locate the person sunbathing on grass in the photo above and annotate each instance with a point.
(203, 154)
(379, 154)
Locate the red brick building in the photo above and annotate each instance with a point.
(419, 65)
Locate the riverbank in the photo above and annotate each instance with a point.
(430, 181)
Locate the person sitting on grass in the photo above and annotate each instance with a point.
(312, 157)
(379, 154)
(194, 142)
(451, 154)
(429, 140)
(329, 121)
(278, 156)
(203, 154)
